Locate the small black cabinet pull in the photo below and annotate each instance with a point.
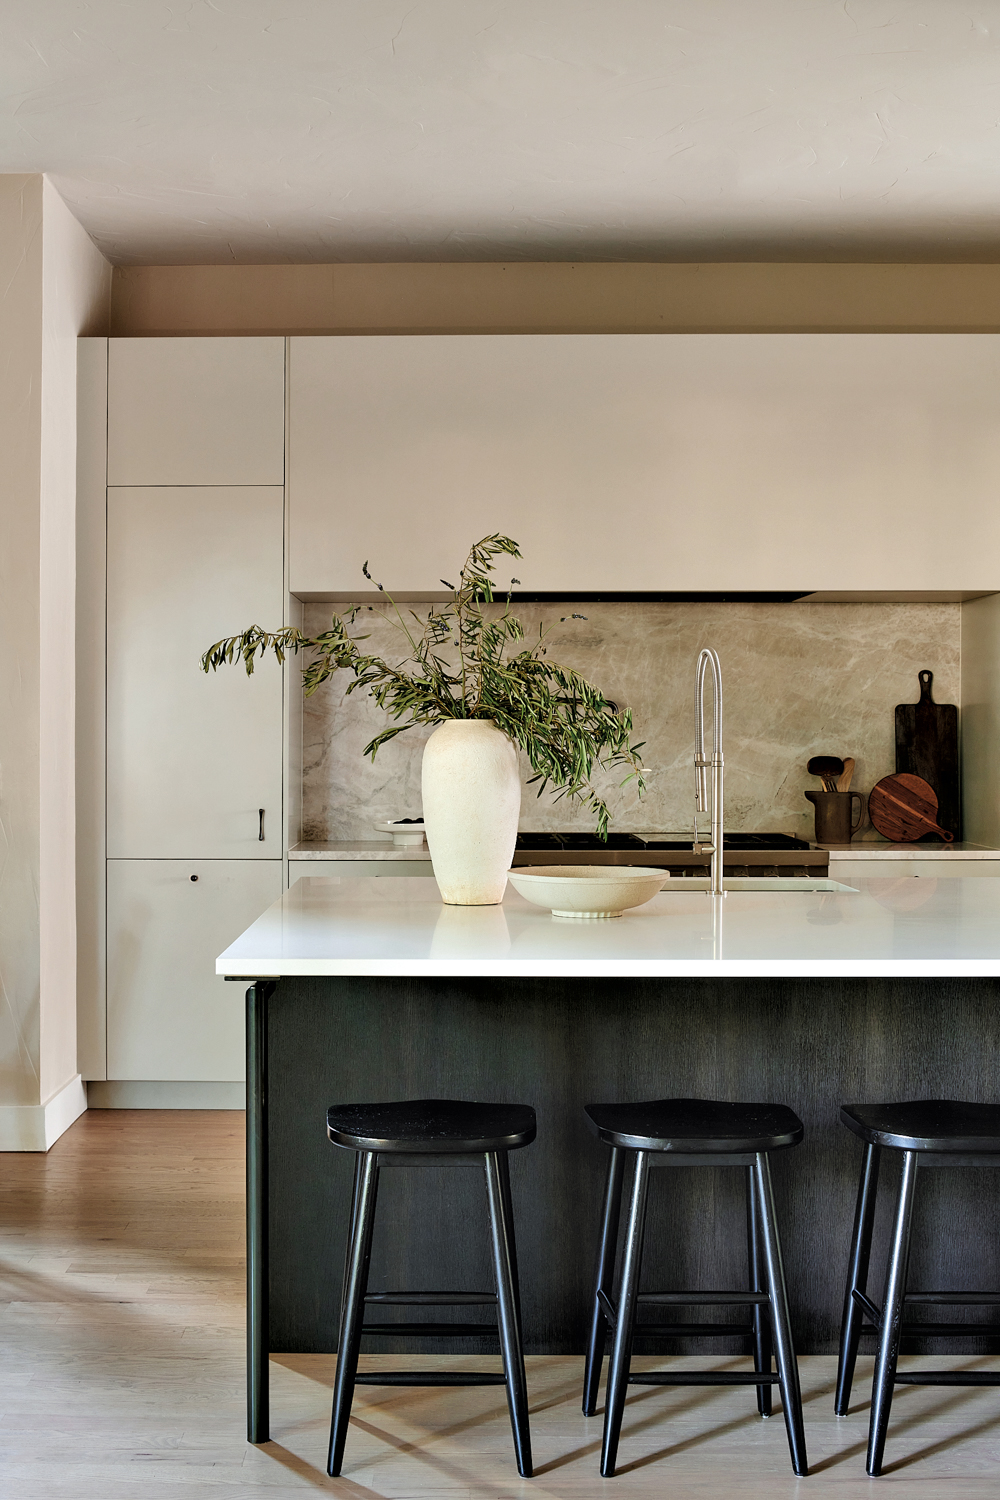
(194, 877)
(260, 836)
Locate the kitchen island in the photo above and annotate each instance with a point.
(368, 989)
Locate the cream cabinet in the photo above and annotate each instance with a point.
(906, 869)
(194, 759)
(169, 1015)
(356, 869)
(644, 463)
(196, 411)
(181, 510)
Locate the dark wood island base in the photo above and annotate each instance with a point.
(559, 1044)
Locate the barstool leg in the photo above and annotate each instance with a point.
(761, 1322)
(857, 1278)
(349, 1345)
(604, 1278)
(890, 1328)
(350, 1231)
(508, 1316)
(621, 1349)
(784, 1349)
(503, 1166)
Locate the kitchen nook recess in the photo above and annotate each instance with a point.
(254, 475)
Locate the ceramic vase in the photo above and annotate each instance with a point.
(471, 789)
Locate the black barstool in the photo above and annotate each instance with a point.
(445, 1132)
(692, 1133)
(940, 1133)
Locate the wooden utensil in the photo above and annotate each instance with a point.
(844, 780)
(827, 768)
(927, 746)
(903, 808)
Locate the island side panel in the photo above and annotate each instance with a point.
(559, 1044)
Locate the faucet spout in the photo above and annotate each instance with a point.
(708, 786)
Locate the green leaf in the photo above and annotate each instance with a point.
(457, 668)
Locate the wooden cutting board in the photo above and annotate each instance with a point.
(927, 746)
(904, 808)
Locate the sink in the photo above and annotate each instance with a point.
(787, 884)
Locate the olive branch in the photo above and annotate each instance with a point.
(464, 663)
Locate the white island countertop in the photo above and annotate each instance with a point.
(387, 926)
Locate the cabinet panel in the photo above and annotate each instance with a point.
(356, 869)
(91, 542)
(169, 1014)
(638, 463)
(924, 869)
(192, 757)
(196, 411)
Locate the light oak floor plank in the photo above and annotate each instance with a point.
(122, 1369)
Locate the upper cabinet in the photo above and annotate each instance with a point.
(196, 411)
(647, 463)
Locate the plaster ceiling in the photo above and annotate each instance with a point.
(352, 130)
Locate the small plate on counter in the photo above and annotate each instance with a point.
(405, 835)
(587, 891)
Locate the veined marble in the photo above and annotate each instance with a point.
(799, 680)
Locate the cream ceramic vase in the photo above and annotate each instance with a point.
(471, 788)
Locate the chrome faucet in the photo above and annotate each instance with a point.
(703, 764)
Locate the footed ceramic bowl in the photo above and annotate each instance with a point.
(404, 835)
(593, 891)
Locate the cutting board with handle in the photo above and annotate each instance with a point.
(904, 808)
(927, 746)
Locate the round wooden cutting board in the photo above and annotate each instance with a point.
(903, 808)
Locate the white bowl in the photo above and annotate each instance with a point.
(587, 890)
(404, 835)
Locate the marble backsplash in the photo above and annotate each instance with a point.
(799, 680)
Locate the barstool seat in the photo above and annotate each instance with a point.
(448, 1126)
(415, 1132)
(699, 1126)
(926, 1125)
(936, 1132)
(691, 1133)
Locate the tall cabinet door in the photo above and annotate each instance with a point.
(195, 551)
(194, 759)
(169, 1014)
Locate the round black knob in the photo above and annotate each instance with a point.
(194, 877)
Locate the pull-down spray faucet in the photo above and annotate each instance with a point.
(704, 765)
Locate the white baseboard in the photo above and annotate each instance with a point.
(165, 1094)
(36, 1127)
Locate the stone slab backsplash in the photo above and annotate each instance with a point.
(798, 680)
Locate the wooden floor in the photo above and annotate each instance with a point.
(122, 1368)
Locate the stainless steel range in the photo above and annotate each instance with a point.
(743, 853)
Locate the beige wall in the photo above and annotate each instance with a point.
(557, 298)
(76, 293)
(55, 284)
(20, 459)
